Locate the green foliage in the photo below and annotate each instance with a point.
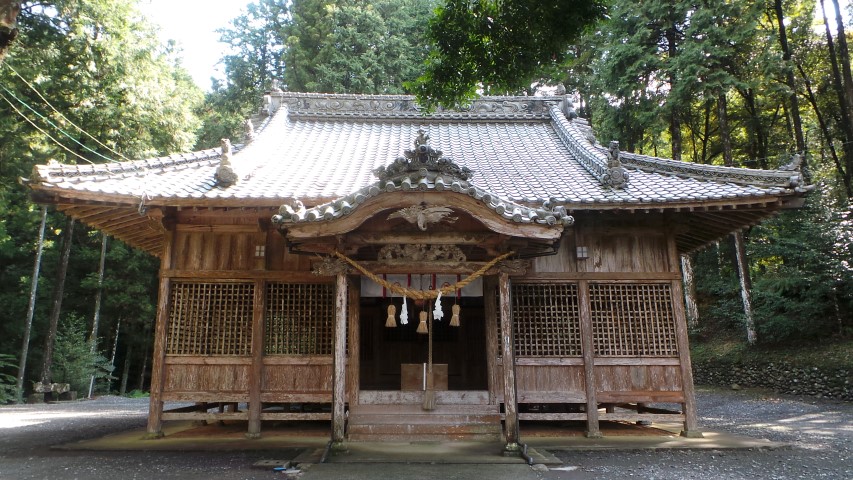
(136, 394)
(498, 46)
(799, 260)
(100, 65)
(74, 361)
(8, 382)
(355, 46)
(256, 47)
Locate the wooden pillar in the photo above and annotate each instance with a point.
(490, 311)
(339, 375)
(691, 420)
(353, 356)
(592, 427)
(508, 355)
(158, 364)
(257, 371)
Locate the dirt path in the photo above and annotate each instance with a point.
(820, 433)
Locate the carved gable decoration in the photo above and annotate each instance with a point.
(421, 253)
(423, 159)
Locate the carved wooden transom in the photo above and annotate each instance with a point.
(421, 253)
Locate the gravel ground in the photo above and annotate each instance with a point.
(820, 433)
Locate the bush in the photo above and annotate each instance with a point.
(8, 383)
(74, 361)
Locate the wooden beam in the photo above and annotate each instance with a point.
(155, 408)
(339, 375)
(437, 238)
(592, 428)
(691, 419)
(257, 371)
(491, 317)
(354, 341)
(508, 355)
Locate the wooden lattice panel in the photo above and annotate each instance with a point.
(300, 319)
(632, 320)
(546, 320)
(210, 319)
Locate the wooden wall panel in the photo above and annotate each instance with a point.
(207, 378)
(564, 261)
(548, 378)
(620, 250)
(214, 250)
(278, 258)
(297, 378)
(633, 378)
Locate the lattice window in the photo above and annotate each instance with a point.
(546, 320)
(210, 319)
(300, 319)
(630, 320)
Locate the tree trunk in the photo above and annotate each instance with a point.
(113, 354)
(824, 128)
(674, 116)
(56, 302)
(9, 10)
(793, 99)
(689, 291)
(740, 250)
(745, 287)
(25, 344)
(725, 135)
(846, 121)
(126, 371)
(141, 385)
(93, 336)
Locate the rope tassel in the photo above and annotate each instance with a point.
(422, 326)
(390, 322)
(454, 319)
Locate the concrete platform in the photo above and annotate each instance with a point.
(305, 442)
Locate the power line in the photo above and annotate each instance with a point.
(44, 132)
(34, 89)
(50, 122)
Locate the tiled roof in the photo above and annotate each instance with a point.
(324, 148)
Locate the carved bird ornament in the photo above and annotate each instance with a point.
(424, 216)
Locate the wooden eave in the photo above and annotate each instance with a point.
(310, 231)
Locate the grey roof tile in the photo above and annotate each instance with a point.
(316, 155)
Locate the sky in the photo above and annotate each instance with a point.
(193, 24)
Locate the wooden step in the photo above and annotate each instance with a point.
(419, 432)
(398, 409)
(413, 423)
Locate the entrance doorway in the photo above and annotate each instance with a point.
(385, 350)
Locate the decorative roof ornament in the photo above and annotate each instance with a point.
(424, 216)
(795, 165)
(423, 159)
(248, 131)
(616, 176)
(225, 175)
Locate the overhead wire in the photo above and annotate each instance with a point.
(50, 122)
(34, 89)
(48, 135)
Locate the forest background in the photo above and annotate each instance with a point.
(720, 82)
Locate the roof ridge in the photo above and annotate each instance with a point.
(54, 170)
(738, 175)
(405, 106)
